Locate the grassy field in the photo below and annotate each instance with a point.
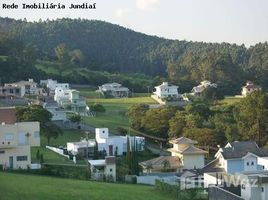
(116, 110)
(21, 187)
(52, 157)
(230, 100)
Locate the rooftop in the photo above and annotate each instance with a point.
(174, 161)
(239, 149)
(8, 115)
(182, 140)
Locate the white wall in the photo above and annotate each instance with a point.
(193, 161)
(250, 163)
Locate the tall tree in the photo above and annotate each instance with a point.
(252, 117)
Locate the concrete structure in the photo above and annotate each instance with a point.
(254, 185)
(197, 90)
(114, 89)
(80, 148)
(58, 113)
(191, 156)
(29, 86)
(249, 88)
(16, 141)
(52, 85)
(12, 90)
(166, 91)
(116, 145)
(103, 169)
(71, 100)
(112, 145)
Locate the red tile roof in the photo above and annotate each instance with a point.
(8, 115)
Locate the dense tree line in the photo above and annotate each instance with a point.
(100, 46)
(208, 124)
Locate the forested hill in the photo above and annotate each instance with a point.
(101, 46)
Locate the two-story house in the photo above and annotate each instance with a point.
(249, 88)
(184, 156)
(70, 99)
(114, 89)
(166, 90)
(16, 140)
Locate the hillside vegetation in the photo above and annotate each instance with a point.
(104, 47)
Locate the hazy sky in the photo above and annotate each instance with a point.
(234, 21)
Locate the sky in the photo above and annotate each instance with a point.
(233, 21)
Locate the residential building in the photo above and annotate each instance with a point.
(82, 148)
(103, 169)
(236, 157)
(191, 156)
(162, 164)
(114, 89)
(29, 86)
(52, 85)
(12, 91)
(71, 100)
(16, 140)
(249, 88)
(58, 113)
(166, 91)
(254, 185)
(197, 90)
(111, 145)
(240, 156)
(116, 145)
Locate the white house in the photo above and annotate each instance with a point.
(82, 148)
(53, 84)
(114, 89)
(70, 99)
(112, 145)
(101, 169)
(166, 90)
(249, 88)
(254, 185)
(197, 90)
(116, 145)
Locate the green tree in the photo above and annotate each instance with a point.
(252, 117)
(136, 113)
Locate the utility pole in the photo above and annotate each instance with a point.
(87, 144)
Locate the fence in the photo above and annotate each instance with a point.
(59, 151)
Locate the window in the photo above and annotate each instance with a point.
(252, 163)
(2, 152)
(262, 189)
(243, 186)
(111, 170)
(22, 158)
(36, 134)
(247, 163)
(8, 136)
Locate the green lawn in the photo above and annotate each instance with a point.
(230, 100)
(116, 110)
(71, 135)
(21, 187)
